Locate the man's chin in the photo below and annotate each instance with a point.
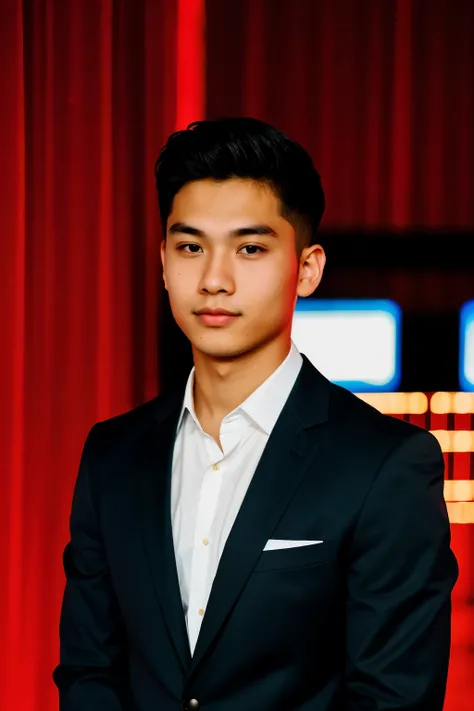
(220, 348)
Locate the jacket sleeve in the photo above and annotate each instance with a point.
(92, 673)
(401, 574)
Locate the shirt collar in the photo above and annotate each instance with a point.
(265, 404)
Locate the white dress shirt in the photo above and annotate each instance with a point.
(208, 484)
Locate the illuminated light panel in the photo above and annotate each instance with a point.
(460, 512)
(459, 496)
(416, 403)
(397, 403)
(459, 403)
(441, 403)
(455, 440)
(463, 403)
(354, 343)
(459, 490)
(466, 347)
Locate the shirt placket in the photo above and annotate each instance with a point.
(203, 545)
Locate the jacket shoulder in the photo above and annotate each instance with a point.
(366, 426)
(115, 433)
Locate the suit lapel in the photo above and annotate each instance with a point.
(288, 453)
(156, 450)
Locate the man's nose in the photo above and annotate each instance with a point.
(217, 275)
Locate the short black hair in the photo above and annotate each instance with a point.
(244, 147)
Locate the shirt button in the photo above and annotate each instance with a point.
(191, 705)
(215, 467)
(205, 541)
(201, 612)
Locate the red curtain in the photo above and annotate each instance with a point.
(90, 96)
(381, 92)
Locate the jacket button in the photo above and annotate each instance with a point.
(191, 705)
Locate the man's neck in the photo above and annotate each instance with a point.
(222, 385)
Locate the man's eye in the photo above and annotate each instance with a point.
(253, 249)
(193, 248)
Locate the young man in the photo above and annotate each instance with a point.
(264, 540)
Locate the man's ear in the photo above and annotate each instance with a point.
(312, 262)
(163, 260)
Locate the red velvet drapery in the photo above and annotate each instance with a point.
(380, 91)
(89, 92)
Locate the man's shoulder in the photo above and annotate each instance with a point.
(366, 428)
(116, 433)
(354, 427)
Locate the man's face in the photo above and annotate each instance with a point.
(227, 247)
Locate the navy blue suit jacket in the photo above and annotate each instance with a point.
(360, 622)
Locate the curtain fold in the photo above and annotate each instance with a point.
(380, 93)
(90, 97)
(12, 350)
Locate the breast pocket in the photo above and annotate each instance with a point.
(297, 557)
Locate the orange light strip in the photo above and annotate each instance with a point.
(440, 403)
(459, 403)
(455, 440)
(397, 403)
(460, 512)
(459, 496)
(459, 490)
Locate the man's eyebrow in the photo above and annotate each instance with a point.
(182, 228)
(254, 230)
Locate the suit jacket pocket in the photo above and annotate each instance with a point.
(297, 557)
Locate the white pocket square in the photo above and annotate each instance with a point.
(275, 544)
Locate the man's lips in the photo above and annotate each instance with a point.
(215, 312)
(216, 317)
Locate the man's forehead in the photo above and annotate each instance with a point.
(227, 198)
